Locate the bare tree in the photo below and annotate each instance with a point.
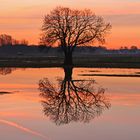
(69, 28)
(72, 100)
(5, 40)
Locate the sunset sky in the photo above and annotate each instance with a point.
(23, 19)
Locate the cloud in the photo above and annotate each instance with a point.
(124, 19)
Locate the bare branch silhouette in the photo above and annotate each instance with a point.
(72, 100)
(69, 28)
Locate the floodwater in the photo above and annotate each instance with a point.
(69, 104)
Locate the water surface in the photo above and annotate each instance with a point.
(24, 114)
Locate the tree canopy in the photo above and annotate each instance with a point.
(69, 27)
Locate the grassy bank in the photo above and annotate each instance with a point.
(90, 61)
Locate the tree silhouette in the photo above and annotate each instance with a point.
(72, 100)
(24, 42)
(69, 28)
(5, 40)
(8, 40)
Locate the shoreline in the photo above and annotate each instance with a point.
(93, 62)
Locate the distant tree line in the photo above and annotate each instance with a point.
(133, 47)
(8, 40)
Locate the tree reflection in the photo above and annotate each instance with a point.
(8, 70)
(72, 100)
(5, 71)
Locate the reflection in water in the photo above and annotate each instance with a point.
(5, 71)
(24, 129)
(5, 92)
(72, 100)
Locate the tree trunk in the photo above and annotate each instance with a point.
(68, 59)
(68, 73)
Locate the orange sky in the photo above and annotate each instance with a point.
(23, 19)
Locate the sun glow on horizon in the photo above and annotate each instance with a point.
(123, 15)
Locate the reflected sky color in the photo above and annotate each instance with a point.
(23, 107)
(123, 15)
(22, 128)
